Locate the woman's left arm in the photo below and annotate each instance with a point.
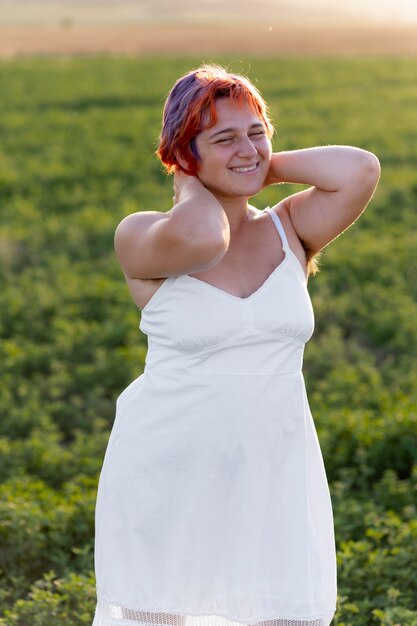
(343, 180)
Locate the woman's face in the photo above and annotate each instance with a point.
(235, 153)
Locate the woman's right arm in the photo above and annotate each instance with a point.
(193, 236)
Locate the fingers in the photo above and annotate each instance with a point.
(178, 184)
(184, 184)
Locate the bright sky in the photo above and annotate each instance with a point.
(389, 12)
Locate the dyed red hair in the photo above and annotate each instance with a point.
(192, 96)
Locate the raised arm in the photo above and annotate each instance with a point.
(343, 181)
(191, 237)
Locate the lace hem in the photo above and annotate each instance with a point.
(113, 614)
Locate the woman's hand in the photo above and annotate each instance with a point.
(185, 185)
(272, 176)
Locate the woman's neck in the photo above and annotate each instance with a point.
(237, 211)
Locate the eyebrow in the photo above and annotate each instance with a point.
(231, 130)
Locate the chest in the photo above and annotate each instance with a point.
(190, 314)
(242, 274)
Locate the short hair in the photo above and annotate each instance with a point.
(191, 96)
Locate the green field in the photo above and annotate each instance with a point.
(76, 155)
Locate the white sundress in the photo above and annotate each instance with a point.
(213, 507)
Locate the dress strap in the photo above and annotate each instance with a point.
(279, 228)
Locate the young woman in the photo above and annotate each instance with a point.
(213, 505)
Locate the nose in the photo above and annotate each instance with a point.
(246, 148)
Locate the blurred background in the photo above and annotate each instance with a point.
(264, 26)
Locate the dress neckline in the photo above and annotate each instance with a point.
(231, 295)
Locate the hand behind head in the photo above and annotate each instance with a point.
(183, 184)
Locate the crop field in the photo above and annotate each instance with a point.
(76, 155)
(256, 38)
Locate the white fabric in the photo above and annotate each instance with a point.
(213, 505)
(110, 614)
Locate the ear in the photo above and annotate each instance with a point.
(183, 163)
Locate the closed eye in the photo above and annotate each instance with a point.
(255, 134)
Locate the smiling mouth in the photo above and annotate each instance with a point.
(245, 169)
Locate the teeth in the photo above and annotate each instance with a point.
(244, 169)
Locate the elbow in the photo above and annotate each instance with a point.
(370, 168)
(367, 179)
(373, 165)
(363, 175)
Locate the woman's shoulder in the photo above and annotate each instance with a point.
(281, 210)
(294, 242)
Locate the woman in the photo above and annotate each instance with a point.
(213, 506)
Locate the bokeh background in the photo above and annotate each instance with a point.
(208, 26)
(82, 86)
